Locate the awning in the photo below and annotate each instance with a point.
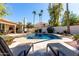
(4, 21)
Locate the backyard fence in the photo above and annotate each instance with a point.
(73, 29)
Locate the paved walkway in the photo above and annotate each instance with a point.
(41, 52)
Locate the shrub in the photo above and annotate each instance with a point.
(36, 31)
(1, 33)
(8, 39)
(50, 30)
(58, 33)
(65, 31)
(76, 37)
(40, 30)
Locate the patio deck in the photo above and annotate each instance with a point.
(39, 48)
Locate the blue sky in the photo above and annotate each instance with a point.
(20, 10)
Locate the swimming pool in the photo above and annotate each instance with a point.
(42, 36)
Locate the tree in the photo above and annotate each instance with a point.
(24, 25)
(72, 17)
(67, 19)
(40, 16)
(19, 27)
(51, 22)
(3, 11)
(77, 20)
(34, 13)
(19, 24)
(29, 25)
(55, 13)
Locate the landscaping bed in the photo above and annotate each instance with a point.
(8, 39)
(75, 42)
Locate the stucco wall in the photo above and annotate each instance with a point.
(60, 29)
(73, 29)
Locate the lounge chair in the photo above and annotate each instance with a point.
(21, 50)
(60, 50)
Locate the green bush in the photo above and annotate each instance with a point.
(76, 36)
(8, 39)
(40, 30)
(1, 33)
(50, 30)
(36, 31)
(65, 31)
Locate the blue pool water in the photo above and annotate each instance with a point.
(42, 36)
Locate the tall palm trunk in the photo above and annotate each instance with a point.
(68, 21)
(41, 18)
(34, 13)
(24, 25)
(40, 15)
(33, 19)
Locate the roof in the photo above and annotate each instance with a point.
(41, 24)
(4, 21)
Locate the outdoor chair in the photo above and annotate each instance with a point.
(60, 50)
(21, 50)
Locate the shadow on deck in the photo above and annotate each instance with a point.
(41, 52)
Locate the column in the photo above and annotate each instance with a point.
(22, 29)
(15, 29)
(5, 28)
(1, 26)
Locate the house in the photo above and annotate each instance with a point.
(42, 26)
(7, 26)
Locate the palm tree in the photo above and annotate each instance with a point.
(55, 13)
(51, 22)
(40, 15)
(34, 13)
(73, 18)
(24, 25)
(68, 22)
